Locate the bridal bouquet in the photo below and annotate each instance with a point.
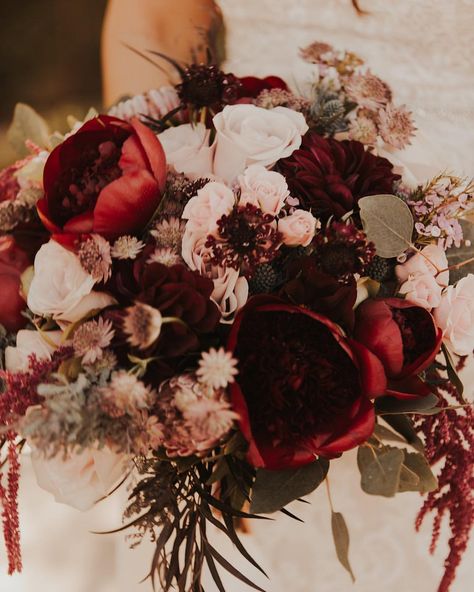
(214, 291)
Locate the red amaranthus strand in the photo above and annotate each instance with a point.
(20, 392)
(449, 440)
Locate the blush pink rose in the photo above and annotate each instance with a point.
(298, 229)
(431, 260)
(264, 189)
(422, 289)
(204, 209)
(187, 149)
(455, 316)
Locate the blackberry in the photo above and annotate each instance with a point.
(380, 269)
(265, 279)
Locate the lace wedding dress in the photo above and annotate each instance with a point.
(423, 48)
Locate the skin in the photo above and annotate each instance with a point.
(182, 30)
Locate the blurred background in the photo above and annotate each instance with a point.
(45, 65)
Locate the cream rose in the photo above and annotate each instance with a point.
(27, 343)
(60, 287)
(455, 316)
(204, 209)
(187, 149)
(422, 289)
(298, 229)
(81, 479)
(247, 134)
(230, 289)
(264, 189)
(431, 260)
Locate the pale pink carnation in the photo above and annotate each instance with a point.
(396, 126)
(368, 91)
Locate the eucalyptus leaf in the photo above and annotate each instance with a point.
(340, 534)
(273, 490)
(426, 405)
(27, 124)
(388, 223)
(384, 433)
(418, 465)
(451, 370)
(403, 425)
(380, 470)
(409, 480)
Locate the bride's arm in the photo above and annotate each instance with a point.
(177, 28)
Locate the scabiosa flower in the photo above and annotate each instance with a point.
(329, 177)
(368, 91)
(94, 255)
(396, 126)
(127, 247)
(91, 338)
(125, 394)
(206, 86)
(165, 256)
(142, 323)
(168, 233)
(342, 250)
(244, 239)
(217, 368)
(363, 129)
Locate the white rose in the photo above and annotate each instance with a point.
(231, 290)
(81, 479)
(187, 149)
(247, 134)
(264, 189)
(298, 229)
(27, 343)
(61, 288)
(455, 316)
(204, 209)
(422, 289)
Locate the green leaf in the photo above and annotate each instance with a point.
(419, 466)
(388, 223)
(409, 480)
(273, 490)
(27, 124)
(423, 405)
(451, 370)
(340, 534)
(380, 470)
(384, 433)
(403, 424)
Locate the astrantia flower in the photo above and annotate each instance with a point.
(168, 233)
(127, 247)
(278, 97)
(363, 129)
(396, 126)
(164, 256)
(142, 324)
(245, 238)
(94, 255)
(368, 91)
(91, 338)
(125, 394)
(329, 176)
(313, 53)
(303, 389)
(217, 368)
(342, 250)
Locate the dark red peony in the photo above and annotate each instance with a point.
(13, 262)
(107, 178)
(329, 176)
(303, 390)
(310, 286)
(404, 337)
(251, 86)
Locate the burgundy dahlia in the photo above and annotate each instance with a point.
(329, 176)
(303, 390)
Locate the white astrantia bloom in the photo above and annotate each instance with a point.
(217, 368)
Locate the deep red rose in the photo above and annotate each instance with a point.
(303, 389)
(107, 178)
(404, 337)
(251, 86)
(329, 176)
(13, 262)
(310, 286)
